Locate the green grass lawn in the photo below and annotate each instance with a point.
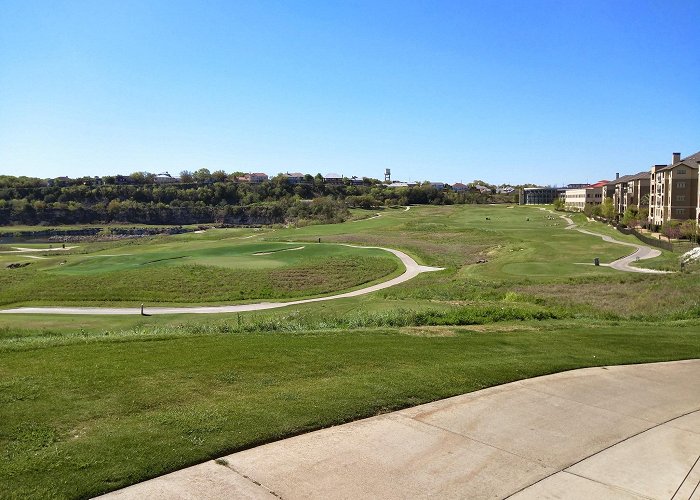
(80, 419)
(189, 270)
(91, 404)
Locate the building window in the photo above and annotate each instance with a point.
(680, 184)
(680, 211)
(680, 197)
(680, 171)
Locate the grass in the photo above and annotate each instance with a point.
(208, 271)
(91, 404)
(131, 408)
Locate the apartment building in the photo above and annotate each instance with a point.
(539, 195)
(577, 199)
(631, 191)
(674, 190)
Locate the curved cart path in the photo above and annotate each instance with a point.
(611, 432)
(642, 252)
(413, 269)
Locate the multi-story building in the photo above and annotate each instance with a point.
(294, 177)
(577, 199)
(539, 195)
(257, 177)
(636, 192)
(333, 178)
(631, 191)
(674, 190)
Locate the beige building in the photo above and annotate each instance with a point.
(674, 190)
(577, 199)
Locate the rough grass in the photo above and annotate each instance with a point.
(192, 283)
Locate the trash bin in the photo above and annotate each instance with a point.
(596, 261)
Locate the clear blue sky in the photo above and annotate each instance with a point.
(504, 91)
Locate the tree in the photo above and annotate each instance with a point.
(671, 229)
(186, 177)
(219, 176)
(630, 217)
(202, 176)
(689, 230)
(607, 209)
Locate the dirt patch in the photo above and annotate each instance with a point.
(17, 265)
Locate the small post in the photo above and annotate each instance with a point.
(596, 261)
(142, 314)
(319, 240)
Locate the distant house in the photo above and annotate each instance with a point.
(257, 177)
(482, 189)
(399, 184)
(333, 179)
(294, 177)
(165, 178)
(505, 190)
(123, 179)
(437, 185)
(356, 181)
(458, 187)
(58, 181)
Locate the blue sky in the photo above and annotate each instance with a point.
(506, 91)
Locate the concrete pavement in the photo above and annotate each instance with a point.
(641, 252)
(626, 432)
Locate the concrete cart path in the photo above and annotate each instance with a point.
(642, 252)
(413, 269)
(609, 432)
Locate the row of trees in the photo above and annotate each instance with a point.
(272, 201)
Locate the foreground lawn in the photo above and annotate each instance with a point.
(78, 419)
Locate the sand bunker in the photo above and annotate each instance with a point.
(280, 250)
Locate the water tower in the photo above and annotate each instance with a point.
(387, 175)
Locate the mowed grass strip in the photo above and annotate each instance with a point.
(80, 420)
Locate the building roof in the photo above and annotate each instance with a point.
(259, 174)
(620, 180)
(640, 176)
(598, 184)
(332, 176)
(690, 161)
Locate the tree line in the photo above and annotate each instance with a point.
(208, 199)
